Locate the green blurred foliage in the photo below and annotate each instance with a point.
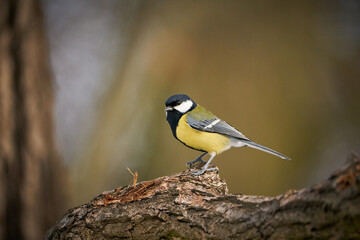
(285, 73)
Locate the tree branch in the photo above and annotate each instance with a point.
(199, 207)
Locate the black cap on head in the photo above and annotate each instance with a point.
(177, 99)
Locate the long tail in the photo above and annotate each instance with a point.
(265, 149)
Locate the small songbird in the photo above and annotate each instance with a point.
(198, 128)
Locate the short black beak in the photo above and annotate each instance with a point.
(168, 108)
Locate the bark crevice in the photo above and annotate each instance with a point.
(182, 206)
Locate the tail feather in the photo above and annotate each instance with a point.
(265, 149)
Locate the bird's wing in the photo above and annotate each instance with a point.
(203, 120)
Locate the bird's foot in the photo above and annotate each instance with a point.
(197, 163)
(201, 171)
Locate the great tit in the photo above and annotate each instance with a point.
(198, 128)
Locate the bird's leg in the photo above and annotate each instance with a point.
(203, 169)
(190, 164)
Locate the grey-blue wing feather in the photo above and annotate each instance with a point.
(205, 121)
(214, 125)
(201, 124)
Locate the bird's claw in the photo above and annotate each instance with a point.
(201, 171)
(195, 163)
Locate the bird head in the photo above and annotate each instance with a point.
(175, 107)
(179, 103)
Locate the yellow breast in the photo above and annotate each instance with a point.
(205, 141)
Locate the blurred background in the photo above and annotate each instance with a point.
(285, 74)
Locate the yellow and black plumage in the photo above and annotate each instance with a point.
(200, 129)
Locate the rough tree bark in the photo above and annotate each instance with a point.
(30, 170)
(182, 206)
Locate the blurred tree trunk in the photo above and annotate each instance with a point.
(182, 206)
(30, 169)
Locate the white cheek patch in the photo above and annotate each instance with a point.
(184, 106)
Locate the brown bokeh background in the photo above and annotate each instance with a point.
(286, 74)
